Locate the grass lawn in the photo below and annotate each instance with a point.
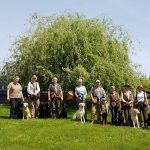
(49, 134)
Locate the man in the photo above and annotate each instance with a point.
(55, 97)
(97, 95)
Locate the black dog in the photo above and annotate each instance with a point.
(18, 111)
(63, 113)
(120, 119)
(148, 120)
(45, 110)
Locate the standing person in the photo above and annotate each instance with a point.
(55, 96)
(33, 90)
(141, 102)
(127, 103)
(114, 104)
(14, 96)
(97, 94)
(80, 94)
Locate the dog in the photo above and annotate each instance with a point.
(148, 120)
(45, 110)
(134, 117)
(19, 113)
(80, 114)
(26, 111)
(120, 118)
(63, 113)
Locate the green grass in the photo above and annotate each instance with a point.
(49, 134)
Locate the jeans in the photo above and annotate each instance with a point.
(15, 110)
(127, 114)
(114, 114)
(143, 112)
(104, 117)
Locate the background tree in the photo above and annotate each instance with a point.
(72, 46)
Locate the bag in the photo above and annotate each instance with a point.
(53, 93)
(94, 100)
(38, 95)
(33, 97)
(113, 104)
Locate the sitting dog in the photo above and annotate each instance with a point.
(63, 113)
(19, 113)
(45, 110)
(26, 111)
(80, 114)
(134, 117)
(120, 118)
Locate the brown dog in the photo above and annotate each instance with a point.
(26, 111)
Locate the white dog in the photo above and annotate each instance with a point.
(26, 111)
(134, 117)
(80, 114)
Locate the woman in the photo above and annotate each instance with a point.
(127, 103)
(33, 90)
(114, 104)
(80, 92)
(14, 96)
(141, 102)
(55, 97)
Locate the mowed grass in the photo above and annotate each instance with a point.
(50, 134)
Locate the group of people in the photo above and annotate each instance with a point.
(100, 102)
(15, 96)
(117, 102)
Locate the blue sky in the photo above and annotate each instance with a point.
(133, 15)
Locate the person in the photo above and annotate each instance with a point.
(55, 97)
(14, 96)
(33, 90)
(141, 102)
(104, 111)
(80, 94)
(97, 93)
(114, 104)
(127, 103)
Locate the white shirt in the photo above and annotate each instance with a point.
(141, 96)
(81, 89)
(33, 88)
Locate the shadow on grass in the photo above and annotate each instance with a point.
(4, 117)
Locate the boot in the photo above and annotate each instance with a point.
(93, 118)
(106, 123)
(103, 123)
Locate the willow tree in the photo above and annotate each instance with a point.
(72, 46)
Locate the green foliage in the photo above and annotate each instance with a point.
(72, 46)
(146, 82)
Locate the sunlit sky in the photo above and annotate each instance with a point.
(133, 15)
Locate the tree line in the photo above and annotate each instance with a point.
(72, 46)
